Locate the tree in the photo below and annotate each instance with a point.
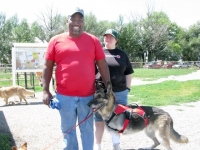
(154, 33)
(11, 32)
(190, 43)
(22, 33)
(90, 23)
(95, 27)
(6, 38)
(129, 40)
(174, 49)
(49, 24)
(38, 32)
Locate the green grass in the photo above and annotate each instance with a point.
(5, 142)
(165, 93)
(6, 80)
(38, 89)
(153, 74)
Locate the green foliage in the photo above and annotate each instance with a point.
(12, 31)
(91, 23)
(128, 36)
(191, 43)
(5, 142)
(154, 33)
(7, 37)
(38, 32)
(174, 49)
(95, 27)
(22, 33)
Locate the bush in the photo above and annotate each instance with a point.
(5, 142)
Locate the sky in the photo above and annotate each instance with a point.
(183, 12)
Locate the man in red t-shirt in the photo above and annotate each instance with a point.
(75, 53)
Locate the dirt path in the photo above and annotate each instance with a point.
(39, 126)
(192, 76)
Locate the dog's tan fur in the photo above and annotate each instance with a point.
(21, 92)
(159, 129)
(23, 147)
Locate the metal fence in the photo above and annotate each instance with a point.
(6, 73)
(6, 68)
(141, 64)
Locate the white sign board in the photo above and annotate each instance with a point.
(27, 57)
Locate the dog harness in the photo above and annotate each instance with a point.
(128, 111)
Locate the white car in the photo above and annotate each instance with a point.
(181, 65)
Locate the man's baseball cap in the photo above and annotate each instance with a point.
(112, 32)
(77, 10)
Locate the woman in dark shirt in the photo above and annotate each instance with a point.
(120, 75)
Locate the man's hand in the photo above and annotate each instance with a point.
(47, 96)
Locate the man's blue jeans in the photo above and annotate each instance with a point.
(73, 108)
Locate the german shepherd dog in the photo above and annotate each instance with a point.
(157, 124)
(21, 92)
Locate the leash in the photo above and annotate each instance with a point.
(69, 131)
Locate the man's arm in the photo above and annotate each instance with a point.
(104, 70)
(46, 78)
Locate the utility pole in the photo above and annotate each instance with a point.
(147, 56)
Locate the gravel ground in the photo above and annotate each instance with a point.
(39, 125)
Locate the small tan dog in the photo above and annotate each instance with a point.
(23, 147)
(21, 92)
